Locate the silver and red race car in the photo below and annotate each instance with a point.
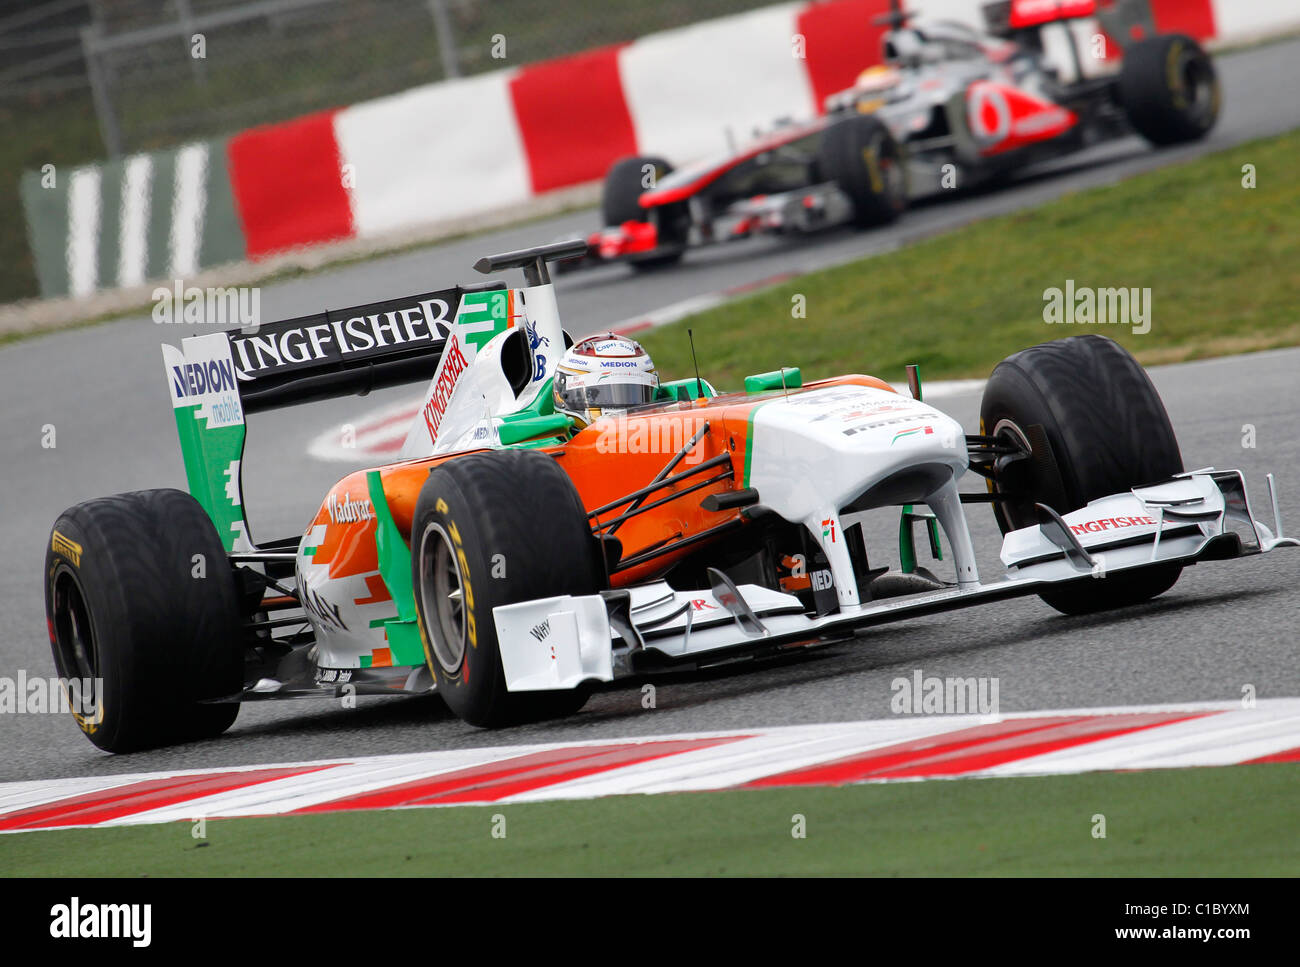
(948, 108)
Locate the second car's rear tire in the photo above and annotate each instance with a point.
(1169, 89)
(1107, 432)
(141, 598)
(492, 529)
(860, 155)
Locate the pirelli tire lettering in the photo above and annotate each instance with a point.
(519, 504)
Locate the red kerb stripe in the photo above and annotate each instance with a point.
(288, 182)
(497, 780)
(974, 749)
(1192, 17)
(1287, 755)
(138, 797)
(573, 118)
(840, 42)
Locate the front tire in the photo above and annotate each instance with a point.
(625, 183)
(1107, 431)
(141, 599)
(1169, 89)
(493, 529)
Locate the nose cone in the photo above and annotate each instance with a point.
(854, 445)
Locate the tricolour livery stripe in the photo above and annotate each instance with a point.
(906, 747)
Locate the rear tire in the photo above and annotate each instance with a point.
(620, 202)
(139, 594)
(1169, 89)
(1107, 431)
(860, 155)
(492, 529)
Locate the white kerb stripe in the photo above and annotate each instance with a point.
(434, 152)
(83, 230)
(133, 239)
(188, 203)
(1237, 19)
(686, 89)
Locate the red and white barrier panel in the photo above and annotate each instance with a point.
(489, 143)
(907, 747)
(464, 147)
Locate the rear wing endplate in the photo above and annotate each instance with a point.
(216, 379)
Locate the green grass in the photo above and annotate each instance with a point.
(1237, 821)
(1220, 261)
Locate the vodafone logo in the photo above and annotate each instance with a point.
(989, 112)
(1002, 118)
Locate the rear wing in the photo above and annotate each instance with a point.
(1020, 20)
(216, 379)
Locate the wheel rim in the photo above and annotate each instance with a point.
(892, 171)
(892, 175)
(76, 649)
(1010, 429)
(1198, 88)
(442, 598)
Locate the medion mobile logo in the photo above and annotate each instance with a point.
(102, 921)
(201, 378)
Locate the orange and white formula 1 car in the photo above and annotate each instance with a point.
(512, 561)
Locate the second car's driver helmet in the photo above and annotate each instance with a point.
(605, 374)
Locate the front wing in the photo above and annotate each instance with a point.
(561, 642)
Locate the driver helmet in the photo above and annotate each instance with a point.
(601, 375)
(877, 79)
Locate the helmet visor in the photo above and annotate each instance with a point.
(603, 396)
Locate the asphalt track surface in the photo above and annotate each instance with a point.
(1224, 627)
